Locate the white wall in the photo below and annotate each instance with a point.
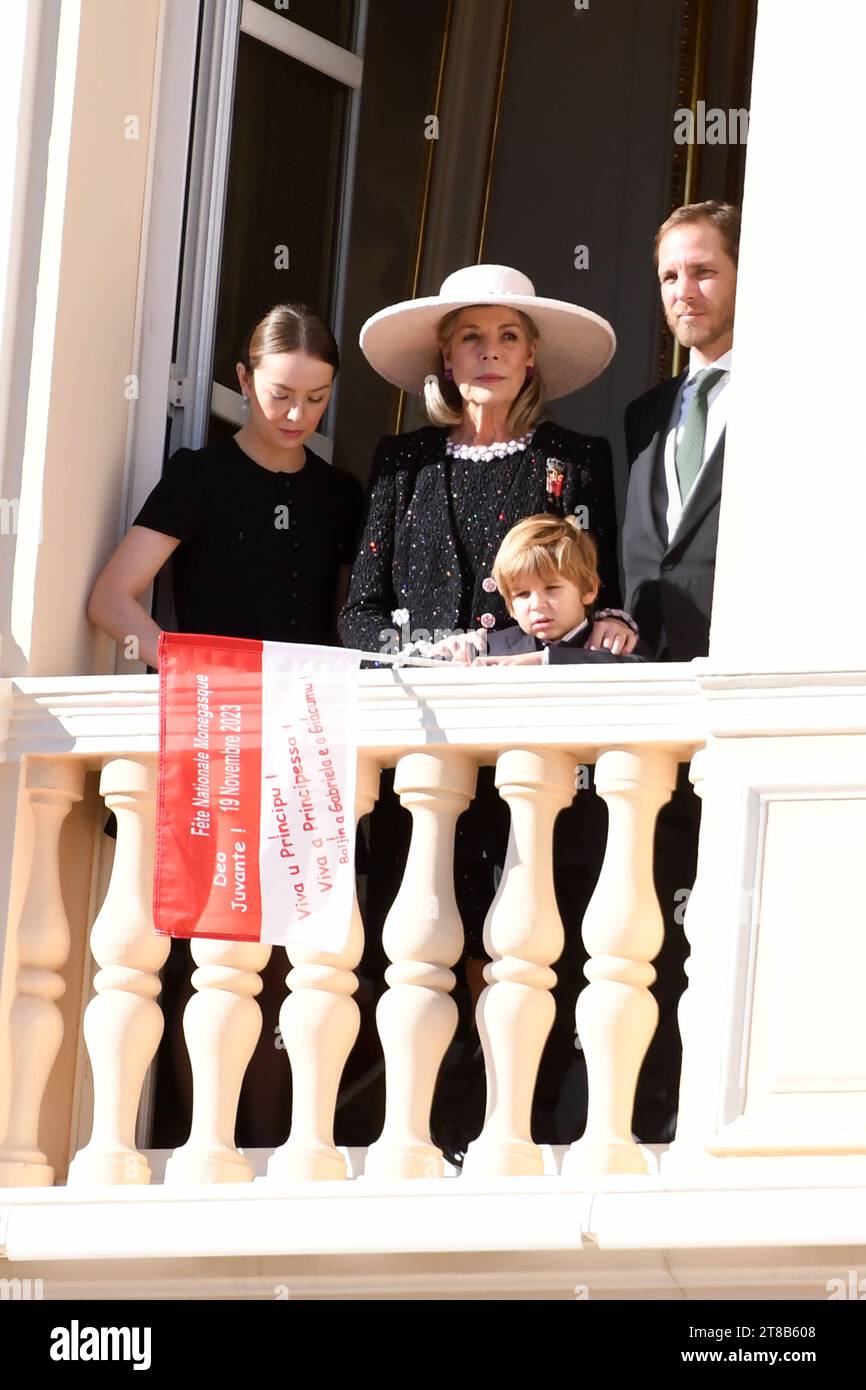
(75, 328)
(790, 569)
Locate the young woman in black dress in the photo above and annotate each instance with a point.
(487, 353)
(260, 533)
(259, 530)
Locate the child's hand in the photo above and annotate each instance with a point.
(524, 659)
(617, 637)
(463, 650)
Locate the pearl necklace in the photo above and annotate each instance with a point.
(485, 452)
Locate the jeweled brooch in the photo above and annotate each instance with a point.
(555, 479)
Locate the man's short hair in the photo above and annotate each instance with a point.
(725, 217)
(548, 546)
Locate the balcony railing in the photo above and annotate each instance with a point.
(435, 727)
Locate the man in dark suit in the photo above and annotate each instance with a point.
(675, 438)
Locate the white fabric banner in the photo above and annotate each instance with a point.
(309, 768)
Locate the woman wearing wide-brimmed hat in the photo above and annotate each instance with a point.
(487, 353)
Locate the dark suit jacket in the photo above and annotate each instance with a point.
(513, 641)
(409, 557)
(668, 581)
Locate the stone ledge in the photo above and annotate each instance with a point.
(357, 1218)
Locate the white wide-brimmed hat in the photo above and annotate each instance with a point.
(574, 344)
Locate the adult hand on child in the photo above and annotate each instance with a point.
(613, 635)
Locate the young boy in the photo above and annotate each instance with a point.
(547, 572)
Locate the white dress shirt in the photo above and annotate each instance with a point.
(717, 418)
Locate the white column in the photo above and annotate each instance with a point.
(423, 936)
(623, 931)
(694, 909)
(776, 910)
(77, 403)
(123, 1023)
(319, 1022)
(51, 785)
(794, 494)
(692, 1104)
(523, 934)
(221, 1025)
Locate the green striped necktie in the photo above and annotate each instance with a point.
(690, 450)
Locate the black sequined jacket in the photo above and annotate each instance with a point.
(408, 558)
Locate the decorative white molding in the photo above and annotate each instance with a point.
(797, 700)
(814, 782)
(429, 1215)
(666, 705)
(738, 1097)
(481, 710)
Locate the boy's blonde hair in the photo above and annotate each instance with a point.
(546, 545)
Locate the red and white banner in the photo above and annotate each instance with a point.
(255, 837)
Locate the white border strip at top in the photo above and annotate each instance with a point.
(297, 42)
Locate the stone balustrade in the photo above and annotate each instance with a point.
(435, 728)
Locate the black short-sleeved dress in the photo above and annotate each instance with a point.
(260, 551)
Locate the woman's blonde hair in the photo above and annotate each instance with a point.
(443, 401)
(546, 545)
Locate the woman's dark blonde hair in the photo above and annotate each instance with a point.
(290, 328)
(547, 546)
(443, 401)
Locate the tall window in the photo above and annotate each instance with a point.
(272, 175)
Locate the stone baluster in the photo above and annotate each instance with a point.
(523, 934)
(697, 773)
(623, 932)
(319, 1021)
(423, 937)
(221, 1025)
(51, 785)
(686, 1151)
(123, 1022)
